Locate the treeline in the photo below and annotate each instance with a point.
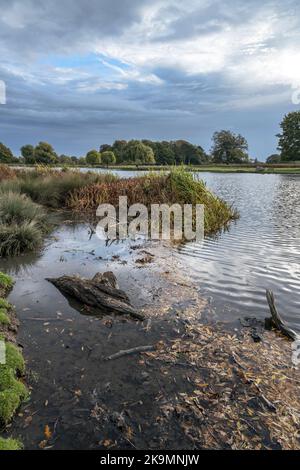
(227, 148)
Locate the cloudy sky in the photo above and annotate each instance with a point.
(81, 73)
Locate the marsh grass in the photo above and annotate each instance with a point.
(52, 188)
(22, 224)
(177, 186)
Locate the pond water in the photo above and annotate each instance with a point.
(259, 251)
(65, 351)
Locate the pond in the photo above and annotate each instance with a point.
(260, 251)
(65, 351)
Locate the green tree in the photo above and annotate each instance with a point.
(6, 155)
(27, 152)
(93, 157)
(105, 148)
(44, 153)
(108, 157)
(289, 139)
(274, 158)
(118, 148)
(229, 148)
(139, 153)
(187, 153)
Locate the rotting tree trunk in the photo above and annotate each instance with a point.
(276, 321)
(100, 292)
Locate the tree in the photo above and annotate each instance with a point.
(138, 153)
(289, 139)
(44, 153)
(274, 158)
(6, 155)
(108, 157)
(118, 148)
(27, 152)
(187, 153)
(105, 148)
(93, 157)
(229, 148)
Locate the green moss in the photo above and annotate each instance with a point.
(12, 390)
(10, 444)
(9, 403)
(6, 282)
(8, 381)
(4, 304)
(14, 358)
(4, 318)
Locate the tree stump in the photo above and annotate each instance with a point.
(100, 292)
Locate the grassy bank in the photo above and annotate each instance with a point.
(12, 390)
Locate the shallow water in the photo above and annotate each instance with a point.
(260, 251)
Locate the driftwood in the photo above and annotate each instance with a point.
(100, 292)
(127, 352)
(276, 321)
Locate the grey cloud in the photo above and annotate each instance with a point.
(41, 106)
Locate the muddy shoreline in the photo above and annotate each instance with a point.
(201, 387)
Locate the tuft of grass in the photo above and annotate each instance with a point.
(18, 208)
(15, 239)
(4, 318)
(10, 444)
(6, 282)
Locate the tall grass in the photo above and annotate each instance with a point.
(50, 187)
(178, 186)
(18, 208)
(22, 224)
(15, 239)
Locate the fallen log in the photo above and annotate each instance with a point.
(276, 321)
(101, 292)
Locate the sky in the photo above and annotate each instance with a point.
(82, 73)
